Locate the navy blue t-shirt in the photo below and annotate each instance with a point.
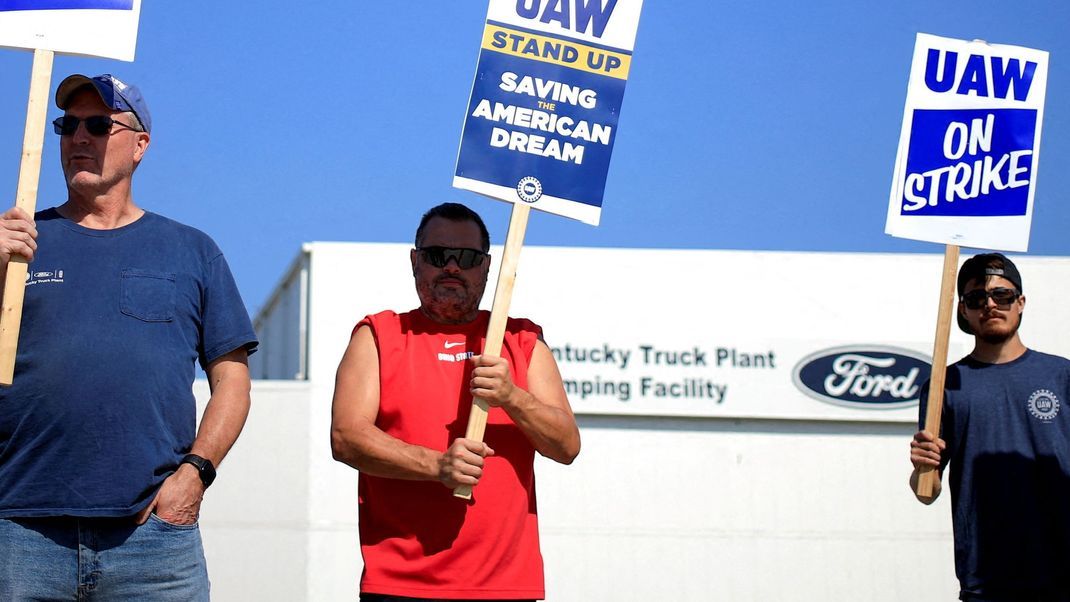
(1007, 429)
(114, 325)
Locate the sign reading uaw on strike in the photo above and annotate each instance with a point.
(966, 168)
(965, 172)
(543, 113)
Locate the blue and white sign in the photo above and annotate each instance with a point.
(965, 171)
(545, 103)
(103, 28)
(871, 377)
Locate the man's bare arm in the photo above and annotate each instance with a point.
(227, 409)
(542, 411)
(179, 498)
(356, 441)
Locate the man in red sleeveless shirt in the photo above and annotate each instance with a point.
(401, 403)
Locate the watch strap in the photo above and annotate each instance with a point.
(204, 466)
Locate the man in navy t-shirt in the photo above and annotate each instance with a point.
(1006, 434)
(102, 465)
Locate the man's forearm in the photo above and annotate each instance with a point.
(227, 409)
(179, 498)
(223, 420)
(551, 430)
(371, 451)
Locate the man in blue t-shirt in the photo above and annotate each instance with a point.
(1006, 435)
(102, 465)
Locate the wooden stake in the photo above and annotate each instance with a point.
(927, 477)
(499, 314)
(25, 199)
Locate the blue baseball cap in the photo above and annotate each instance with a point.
(116, 94)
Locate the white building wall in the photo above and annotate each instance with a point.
(771, 495)
(254, 519)
(283, 322)
(653, 509)
(672, 509)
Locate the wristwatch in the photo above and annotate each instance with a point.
(204, 466)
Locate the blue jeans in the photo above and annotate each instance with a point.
(100, 560)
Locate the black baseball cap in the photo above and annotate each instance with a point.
(981, 266)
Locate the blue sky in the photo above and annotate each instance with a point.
(767, 126)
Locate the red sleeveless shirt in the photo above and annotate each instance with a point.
(418, 540)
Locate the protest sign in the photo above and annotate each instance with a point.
(965, 171)
(541, 123)
(542, 117)
(104, 28)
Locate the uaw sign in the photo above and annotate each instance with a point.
(547, 95)
(965, 171)
(104, 28)
(863, 377)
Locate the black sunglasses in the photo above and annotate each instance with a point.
(1000, 296)
(440, 256)
(97, 125)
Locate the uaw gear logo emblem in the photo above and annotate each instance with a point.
(529, 189)
(1043, 405)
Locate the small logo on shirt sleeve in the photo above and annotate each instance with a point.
(1044, 405)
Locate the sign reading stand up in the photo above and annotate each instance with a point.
(965, 171)
(541, 123)
(547, 95)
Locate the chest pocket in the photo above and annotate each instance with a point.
(147, 294)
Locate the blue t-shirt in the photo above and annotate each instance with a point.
(114, 325)
(1007, 429)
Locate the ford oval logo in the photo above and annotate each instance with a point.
(861, 376)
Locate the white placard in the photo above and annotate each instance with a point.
(966, 167)
(102, 28)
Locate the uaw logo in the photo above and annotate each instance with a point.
(1043, 405)
(529, 189)
(865, 377)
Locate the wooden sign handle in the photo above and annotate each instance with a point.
(25, 199)
(499, 314)
(927, 477)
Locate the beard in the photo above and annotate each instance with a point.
(996, 338)
(449, 304)
(452, 307)
(1001, 335)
